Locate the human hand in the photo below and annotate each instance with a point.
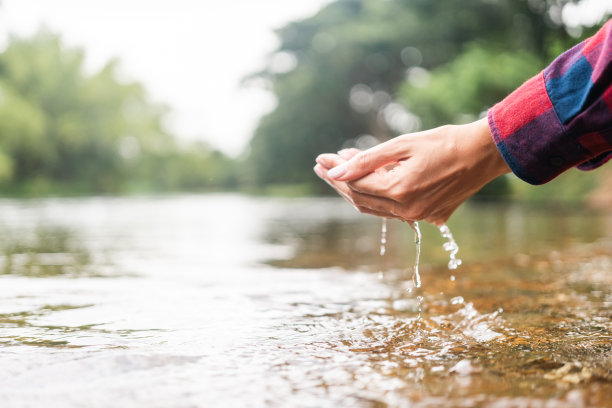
(419, 176)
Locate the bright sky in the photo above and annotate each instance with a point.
(190, 54)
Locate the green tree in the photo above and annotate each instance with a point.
(353, 57)
(63, 130)
(62, 126)
(468, 85)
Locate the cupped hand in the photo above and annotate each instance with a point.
(419, 176)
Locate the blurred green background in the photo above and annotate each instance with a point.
(356, 73)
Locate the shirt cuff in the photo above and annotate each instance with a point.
(528, 133)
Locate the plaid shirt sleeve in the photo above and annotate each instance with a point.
(561, 117)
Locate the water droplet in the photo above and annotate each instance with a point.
(450, 246)
(419, 309)
(458, 300)
(383, 237)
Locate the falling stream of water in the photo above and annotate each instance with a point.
(383, 244)
(449, 246)
(416, 277)
(383, 237)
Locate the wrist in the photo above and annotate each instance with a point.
(486, 150)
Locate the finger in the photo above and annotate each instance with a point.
(376, 184)
(348, 154)
(364, 203)
(380, 198)
(339, 186)
(374, 205)
(369, 160)
(329, 160)
(322, 173)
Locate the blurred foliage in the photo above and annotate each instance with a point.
(466, 87)
(356, 72)
(571, 187)
(65, 131)
(381, 68)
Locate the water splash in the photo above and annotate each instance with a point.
(383, 237)
(450, 246)
(416, 277)
(443, 334)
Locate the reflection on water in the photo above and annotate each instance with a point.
(225, 300)
(49, 251)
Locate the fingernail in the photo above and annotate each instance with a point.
(321, 162)
(327, 160)
(337, 171)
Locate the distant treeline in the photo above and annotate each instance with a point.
(63, 131)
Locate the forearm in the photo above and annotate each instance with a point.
(480, 150)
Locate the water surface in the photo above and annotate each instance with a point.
(226, 300)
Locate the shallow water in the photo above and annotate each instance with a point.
(225, 300)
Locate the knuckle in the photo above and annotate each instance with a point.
(351, 152)
(363, 160)
(399, 193)
(419, 212)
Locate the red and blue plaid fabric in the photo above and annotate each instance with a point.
(562, 117)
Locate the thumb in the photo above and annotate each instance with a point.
(368, 161)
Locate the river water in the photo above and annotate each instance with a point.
(235, 301)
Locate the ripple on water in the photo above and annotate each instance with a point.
(187, 331)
